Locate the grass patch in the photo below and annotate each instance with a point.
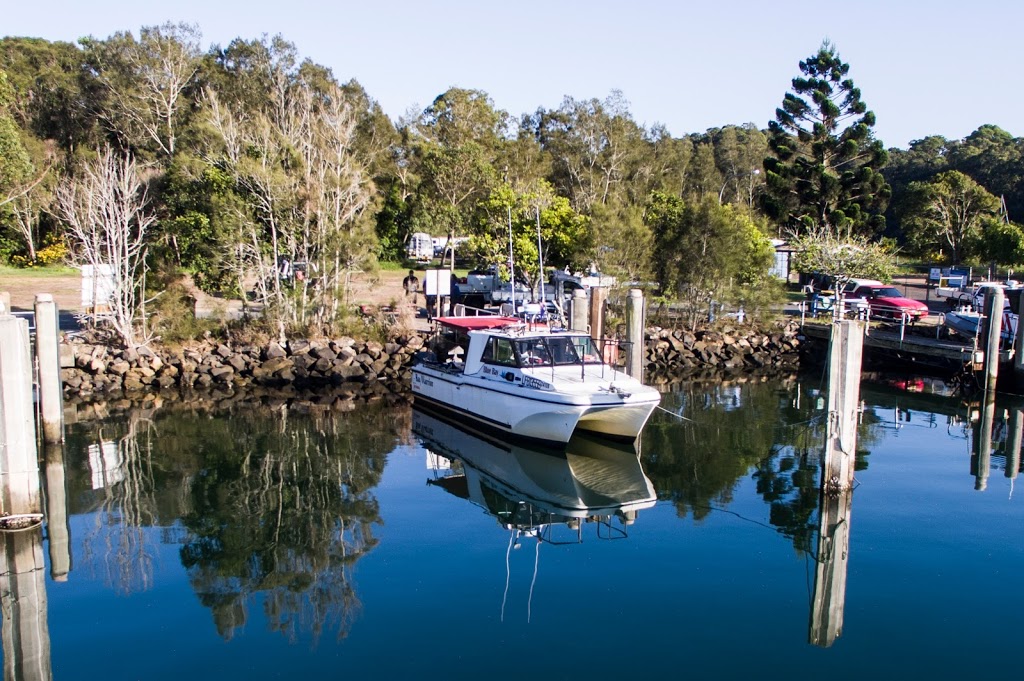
(38, 272)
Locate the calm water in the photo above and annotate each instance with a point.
(382, 543)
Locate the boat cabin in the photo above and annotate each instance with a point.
(504, 341)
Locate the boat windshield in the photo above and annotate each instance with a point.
(547, 351)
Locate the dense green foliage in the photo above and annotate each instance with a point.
(824, 162)
(256, 160)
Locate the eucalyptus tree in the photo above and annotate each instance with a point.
(149, 83)
(702, 250)
(107, 216)
(303, 180)
(993, 158)
(455, 143)
(739, 154)
(823, 166)
(16, 169)
(54, 94)
(595, 148)
(946, 215)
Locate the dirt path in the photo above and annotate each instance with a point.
(66, 289)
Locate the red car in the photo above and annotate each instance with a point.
(885, 301)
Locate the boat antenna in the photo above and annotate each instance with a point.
(511, 259)
(540, 258)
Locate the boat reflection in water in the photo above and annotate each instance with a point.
(549, 494)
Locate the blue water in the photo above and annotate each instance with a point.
(270, 543)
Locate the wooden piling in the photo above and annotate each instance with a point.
(1018, 345)
(25, 629)
(19, 470)
(991, 330)
(598, 294)
(51, 393)
(635, 334)
(829, 600)
(981, 457)
(578, 314)
(58, 525)
(845, 354)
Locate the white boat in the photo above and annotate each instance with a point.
(531, 382)
(535, 489)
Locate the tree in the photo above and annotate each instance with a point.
(702, 250)
(147, 82)
(823, 166)
(947, 214)
(106, 215)
(842, 256)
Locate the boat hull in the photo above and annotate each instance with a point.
(533, 414)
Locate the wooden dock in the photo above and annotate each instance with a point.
(912, 346)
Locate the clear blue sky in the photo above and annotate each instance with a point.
(924, 67)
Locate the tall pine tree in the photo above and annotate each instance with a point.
(823, 163)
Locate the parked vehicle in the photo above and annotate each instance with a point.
(420, 247)
(885, 300)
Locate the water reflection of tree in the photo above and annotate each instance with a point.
(268, 504)
(773, 431)
(283, 508)
(121, 458)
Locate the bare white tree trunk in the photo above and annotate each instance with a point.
(105, 213)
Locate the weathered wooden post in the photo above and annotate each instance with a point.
(635, 334)
(1018, 344)
(981, 458)
(598, 294)
(26, 632)
(829, 602)
(991, 330)
(19, 470)
(58, 526)
(578, 313)
(1013, 443)
(51, 397)
(845, 353)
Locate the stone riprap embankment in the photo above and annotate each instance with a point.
(672, 353)
(347, 367)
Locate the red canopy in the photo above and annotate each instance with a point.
(476, 323)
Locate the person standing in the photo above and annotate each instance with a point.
(412, 286)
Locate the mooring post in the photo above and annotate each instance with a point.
(597, 298)
(635, 334)
(829, 600)
(1013, 443)
(58, 526)
(26, 632)
(991, 330)
(19, 470)
(1018, 344)
(578, 313)
(981, 458)
(845, 353)
(51, 395)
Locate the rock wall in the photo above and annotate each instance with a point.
(347, 368)
(673, 353)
